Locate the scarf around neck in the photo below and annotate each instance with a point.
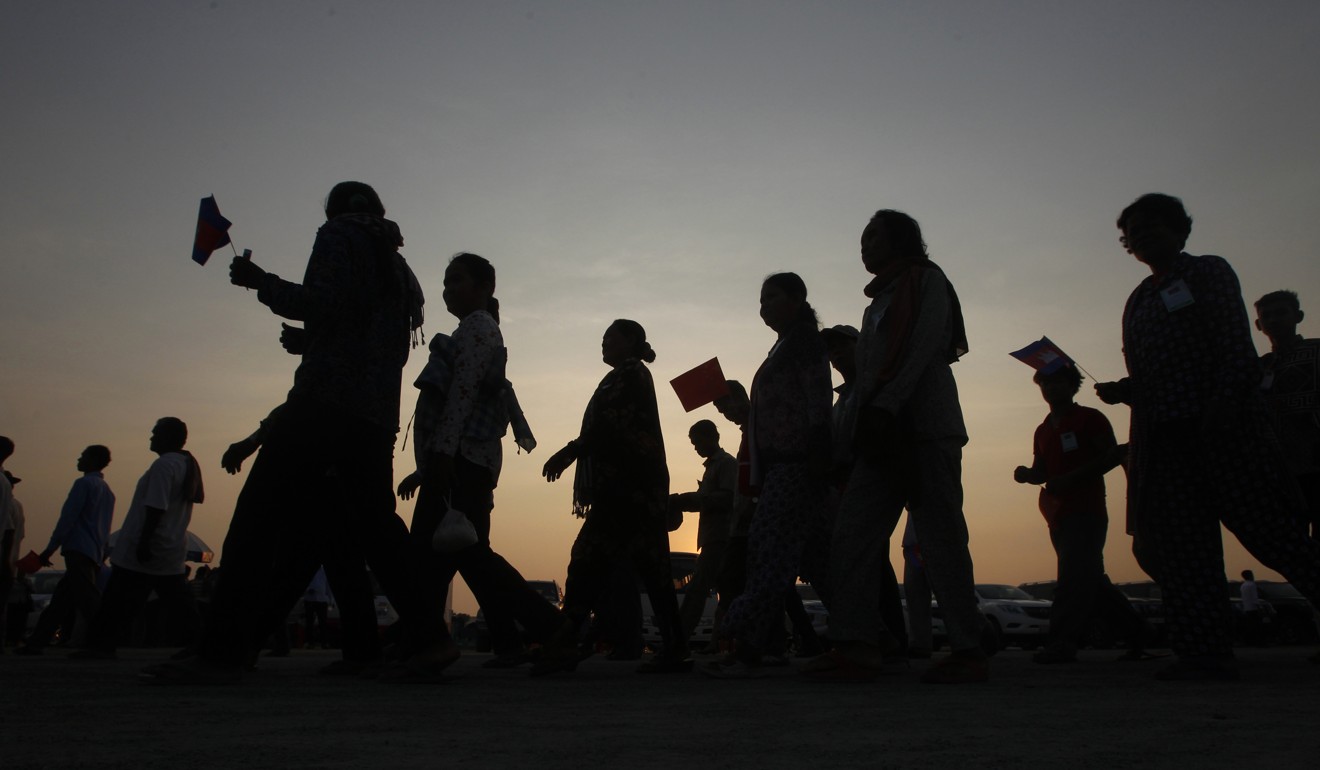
(905, 275)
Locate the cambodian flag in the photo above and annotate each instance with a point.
(1043, 356)
(212, 230)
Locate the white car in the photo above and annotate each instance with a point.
(1014, 616)
(683, 564)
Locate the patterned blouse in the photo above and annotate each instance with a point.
(1187, 341)
(621, 468)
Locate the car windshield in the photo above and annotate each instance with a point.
(1002, 592)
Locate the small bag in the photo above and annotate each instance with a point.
(454, 532)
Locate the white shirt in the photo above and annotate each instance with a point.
(160, 487)
(1250, 596)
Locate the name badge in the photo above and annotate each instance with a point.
(1176, 296)
(1069, 441)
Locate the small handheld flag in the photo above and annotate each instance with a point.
(1043, 356)
(212, 230)
(701, 385)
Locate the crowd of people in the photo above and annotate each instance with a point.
(814, 492)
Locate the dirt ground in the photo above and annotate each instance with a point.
(1095, 714)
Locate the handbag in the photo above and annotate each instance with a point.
(454, 532)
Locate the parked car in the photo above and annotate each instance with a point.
(683, 565)
(43, 587)
(1287, 616)
(1014, 616)
(1098, 635)
(939, 636)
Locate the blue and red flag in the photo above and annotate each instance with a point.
(212, 230)
(1043, 356)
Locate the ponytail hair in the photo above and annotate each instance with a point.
(482, 271)
(634, 331)
(794, 287)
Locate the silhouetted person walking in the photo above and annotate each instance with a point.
(902, 440)
(1292, 388)
(463, 412)
(1203, 450)
(321, 489)
(789, 445)
(1072, 450)
(621, 489)
(152, 546)
(81, 536)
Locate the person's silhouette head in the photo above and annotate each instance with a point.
(94, 459)
(841, 347)
(1248, 575)
(6, 448)
(470, 286)
(705, 438)
(353, 198)
(168, 435)
(625, 340)
(734, 405)
(1060, 386)
(1278, 314)
(784, 302)
(889, 236)
(1155, 228)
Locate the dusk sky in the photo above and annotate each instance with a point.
(644, 160)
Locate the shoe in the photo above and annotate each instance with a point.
(1187, 670)
(511, 660)
(438, 656)
(734, 669)
(1132, 656)
(957, 669)
(191, 673)
(347, 667)
(775, 661)
(665, 664)
(834, 666)
(93, 654)
(1054, 656)
(408, 673)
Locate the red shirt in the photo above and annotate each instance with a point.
(1080, 437)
